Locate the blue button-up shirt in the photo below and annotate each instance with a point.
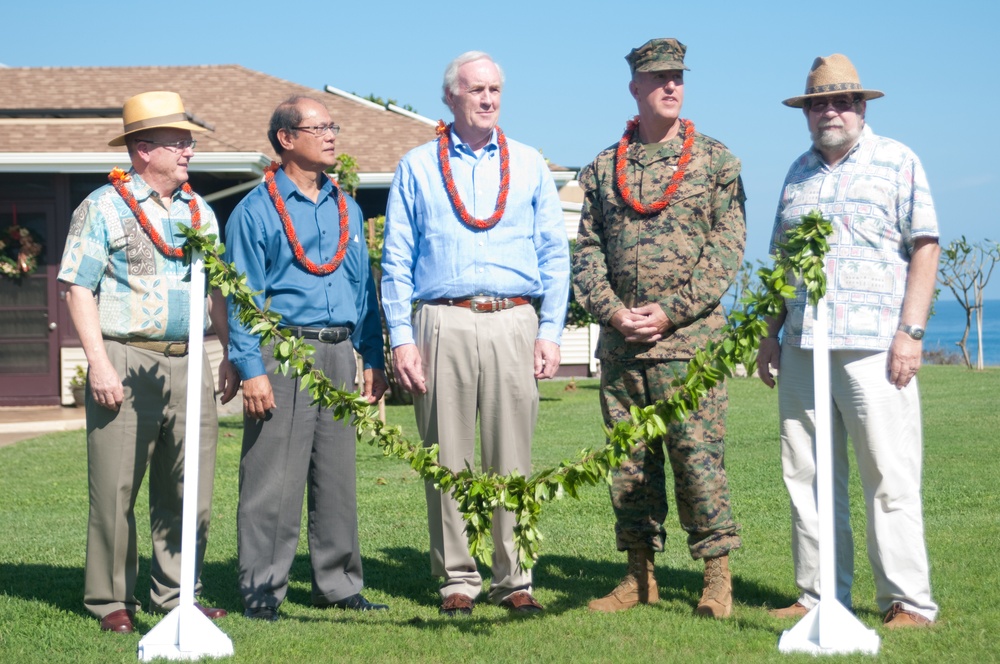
(256, 243)
(430, 253)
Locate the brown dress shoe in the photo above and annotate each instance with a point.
(794, 611)
(900, 618)
(118, 621)
(521, 602)
(457, 605)
(211, 613)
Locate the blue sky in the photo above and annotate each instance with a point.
(566, 90)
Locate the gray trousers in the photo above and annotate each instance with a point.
(476, 364)
(147, 431)
(299, 448)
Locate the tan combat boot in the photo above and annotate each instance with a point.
(717, 597)
(638, 586)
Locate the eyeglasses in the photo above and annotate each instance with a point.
(838, 105)
(176, 146)
(320, 130)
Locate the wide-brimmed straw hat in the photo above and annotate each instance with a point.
(832, 75)
(154, 109)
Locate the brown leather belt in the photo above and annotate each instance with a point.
(165, 348)
(483, 304)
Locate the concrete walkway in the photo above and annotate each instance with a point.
(17, 424)
(21, 423)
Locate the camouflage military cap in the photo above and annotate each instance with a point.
(657, 55)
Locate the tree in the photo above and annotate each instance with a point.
(966, 269)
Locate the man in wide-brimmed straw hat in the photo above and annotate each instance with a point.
(880, 274)
(661, 238)
(128, 296)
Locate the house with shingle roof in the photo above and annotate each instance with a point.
(55, 124)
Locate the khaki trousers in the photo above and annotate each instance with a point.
(147, 431)
(476, 364)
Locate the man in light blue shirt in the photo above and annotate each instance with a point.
(474, 233)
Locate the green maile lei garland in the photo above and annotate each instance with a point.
(479, 494)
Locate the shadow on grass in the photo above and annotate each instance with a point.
(569, 583)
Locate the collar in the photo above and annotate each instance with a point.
(457, 143)
(288, 188)
(143, 192)
(866, 135)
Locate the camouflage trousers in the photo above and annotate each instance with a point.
(696, 449)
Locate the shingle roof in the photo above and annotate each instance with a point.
(237, 101)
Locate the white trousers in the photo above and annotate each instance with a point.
(884, 424)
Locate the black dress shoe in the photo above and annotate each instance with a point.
(265, 613)
(357, 603)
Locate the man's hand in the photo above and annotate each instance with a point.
(375, 385)
(258, 398)
(106, 386)
(229, 380)
(768, 357)
(903, 359)
(645, 324)
(547, 358)
(409, 368)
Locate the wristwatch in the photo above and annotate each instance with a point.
(915, 331)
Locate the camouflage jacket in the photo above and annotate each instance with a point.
(684, 257)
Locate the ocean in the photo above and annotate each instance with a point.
(945, 328)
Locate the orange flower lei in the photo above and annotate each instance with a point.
(118, 178)
(293, 239)
(630, 128)
(444, 134)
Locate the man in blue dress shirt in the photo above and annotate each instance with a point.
(312, 263)
(474, 232)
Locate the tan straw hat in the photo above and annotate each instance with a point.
(153, 109)
(832, 75)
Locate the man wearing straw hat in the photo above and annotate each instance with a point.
(128, 297)
(661, 238)
(880, 275)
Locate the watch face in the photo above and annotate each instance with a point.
(917, 333)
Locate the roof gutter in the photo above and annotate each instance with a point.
(252, 163)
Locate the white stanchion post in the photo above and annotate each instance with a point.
(829, 627)
(185, 633)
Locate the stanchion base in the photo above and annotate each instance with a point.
(829, 628)
(184, 634)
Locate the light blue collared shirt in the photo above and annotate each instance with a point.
(429, 253)
(256, 243)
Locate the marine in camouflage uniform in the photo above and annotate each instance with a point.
(682, 258)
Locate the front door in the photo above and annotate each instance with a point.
(29, 338)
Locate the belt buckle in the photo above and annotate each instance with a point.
(485, 304)
(331, 335)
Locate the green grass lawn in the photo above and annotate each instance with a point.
(43, 515)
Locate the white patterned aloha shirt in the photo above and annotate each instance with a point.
(879, 202)
(140, 292)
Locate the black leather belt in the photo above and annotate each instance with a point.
(325, 335)
(483, 304)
